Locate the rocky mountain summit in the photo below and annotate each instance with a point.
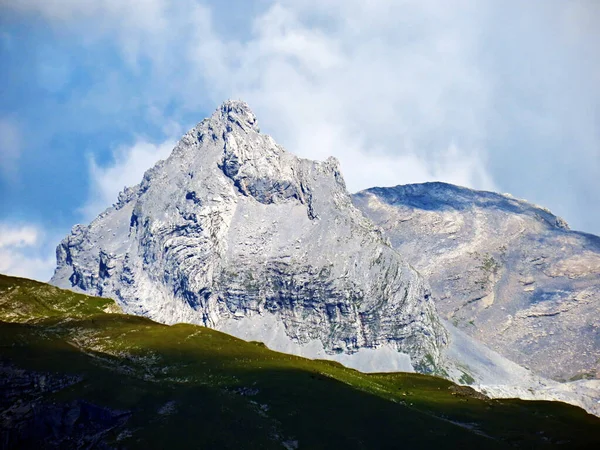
(234, 233)
(504, 271)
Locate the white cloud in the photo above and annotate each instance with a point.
(18, 236)
(496, 94)
(10, 147)
(126, 169)
(392, 95)
(395, 102)
(25, 251)
(391, 102)
(133, 23)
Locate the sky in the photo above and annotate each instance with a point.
(500, 95)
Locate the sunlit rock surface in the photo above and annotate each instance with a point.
(504, 271)
(232, 228)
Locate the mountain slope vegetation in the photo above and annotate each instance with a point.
(77, 372)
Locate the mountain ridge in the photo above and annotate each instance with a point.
(464, 197)
(234, 233)
(233, 226)
(505, 271)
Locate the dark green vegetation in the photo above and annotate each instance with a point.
(73, 375)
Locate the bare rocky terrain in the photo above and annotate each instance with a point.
(506, 272)
(232, 227)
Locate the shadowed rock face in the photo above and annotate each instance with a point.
(509, 273)
(31, 416)
(231, 226)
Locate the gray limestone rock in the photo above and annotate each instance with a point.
(506, 272)
(232, 227)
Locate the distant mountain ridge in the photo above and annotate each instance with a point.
(509, 273)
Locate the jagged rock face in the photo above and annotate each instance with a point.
(231, 226)
(507, 272)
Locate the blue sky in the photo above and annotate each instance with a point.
(499, 95)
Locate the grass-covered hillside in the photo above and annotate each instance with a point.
(75, 372)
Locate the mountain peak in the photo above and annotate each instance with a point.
(233, 232)
(437, 196)
(239, 112)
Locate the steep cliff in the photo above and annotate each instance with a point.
(232, 230)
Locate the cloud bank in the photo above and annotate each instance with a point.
(24, 252)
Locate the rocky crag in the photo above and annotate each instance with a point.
(234, 233)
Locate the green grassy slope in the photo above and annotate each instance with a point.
(107, 379)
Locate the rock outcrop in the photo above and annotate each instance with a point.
(504, 271)
(231, 227)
